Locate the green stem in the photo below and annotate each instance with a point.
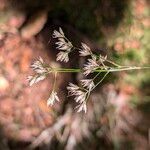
(64, 70)
(76, 70)
(123, 69)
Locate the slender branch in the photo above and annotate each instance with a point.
(55, 76)
(96, 75)
(111, 62)
(100, 80)
(124, 69)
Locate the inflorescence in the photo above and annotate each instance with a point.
(95, 64)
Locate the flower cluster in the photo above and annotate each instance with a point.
(81, 93)
(53, 97)
(85, 50)
(87, 83)
(63, 44)
(40, 70)
(39, 66)
(80, 96)
(90, 66)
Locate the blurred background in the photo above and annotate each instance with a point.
(118, 114)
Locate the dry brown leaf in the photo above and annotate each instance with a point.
(34, 25)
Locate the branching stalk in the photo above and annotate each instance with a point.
(94, 64)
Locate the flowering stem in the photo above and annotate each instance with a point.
(76, 70)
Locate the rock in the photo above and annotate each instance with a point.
(4, 84)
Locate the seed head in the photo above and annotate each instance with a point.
(58, 34)
(85, 50)
(63, 44)
(62, 56)
(38, 66)
(74, 90)
(88, 83)
(53, 97)
(90, 66)
(81, 107)
(34, 79)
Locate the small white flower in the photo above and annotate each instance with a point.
(102, 58)
(58, 34)
(61, 31)
(38, 66)
(88, 83)
(41, 60)
(80, 96)
(53, 97)
(90, 66)
(34, 79)
(72, 87)
(62, 56)
(62, 40)
(40, 70)
(66, 46)
(82, 107)
(85, 50)
(62, 43)
(74, 90)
